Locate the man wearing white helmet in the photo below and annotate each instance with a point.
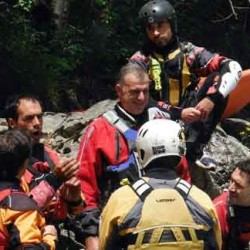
(160, 210)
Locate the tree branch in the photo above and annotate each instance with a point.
(233, 10)
(223, 19)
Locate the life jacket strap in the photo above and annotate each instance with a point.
(123, 127)
(141, 188)
(183, 188)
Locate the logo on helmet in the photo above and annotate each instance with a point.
(158, 150)
(151, 19)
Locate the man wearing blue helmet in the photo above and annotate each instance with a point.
(176, 69)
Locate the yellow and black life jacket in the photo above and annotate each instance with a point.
(170, 75)
(174, 228)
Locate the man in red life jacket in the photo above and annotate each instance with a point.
(233, 209)
(52, 181)
(106, 152)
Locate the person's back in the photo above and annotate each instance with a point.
(162, 221)
(159, 211)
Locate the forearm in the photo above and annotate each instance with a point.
(173, 111)
(167, 110)
(92, 243)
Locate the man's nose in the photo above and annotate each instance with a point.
(231, 187)
(156, 32)
(141, 95)
(36, 121)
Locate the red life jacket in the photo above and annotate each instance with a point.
(43, 162)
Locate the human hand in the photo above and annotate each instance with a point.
(71, 190)
(66, 168)
(191, 114)
(92, 243)
(205, 106)
(49, 230)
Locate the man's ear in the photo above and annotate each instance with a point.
(118, 90)
(11, 122)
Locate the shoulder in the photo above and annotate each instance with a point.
(123, 196)
(53, 155)
(139, 56)
(19, 201)
(126, 189)
(121, 200)
(186, 46)
(201, 197)
(191, 49)
(98, 123)
(97, 131)
(94, 127)
(221, 200)
(48, 149)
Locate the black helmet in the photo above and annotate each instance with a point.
(156, 10)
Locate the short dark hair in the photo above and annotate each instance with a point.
(244, 166)
(15, 148)
(13, 102)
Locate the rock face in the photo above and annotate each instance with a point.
(228, 152)
(63, 132)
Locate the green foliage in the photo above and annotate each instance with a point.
(26, 5)
(41, 62)
(77, 67)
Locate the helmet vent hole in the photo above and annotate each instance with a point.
(142, 154)
(143, 134)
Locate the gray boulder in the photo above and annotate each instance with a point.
(63, 132)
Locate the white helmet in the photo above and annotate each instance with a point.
(158, 138)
